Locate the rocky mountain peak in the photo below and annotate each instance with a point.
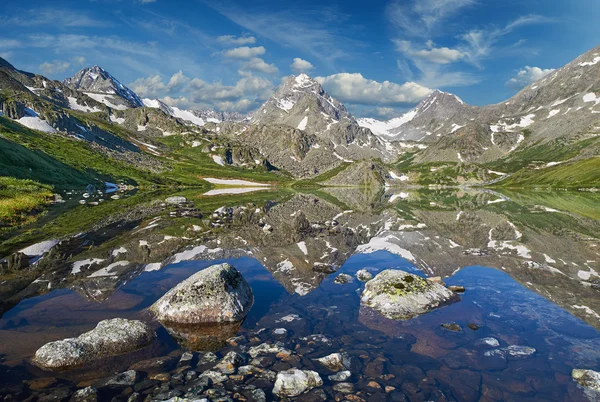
(98, 83)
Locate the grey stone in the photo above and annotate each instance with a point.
(399, 295)
(294, 382)
(109, 338)
(218, 293)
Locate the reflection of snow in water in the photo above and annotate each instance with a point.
(224, 191)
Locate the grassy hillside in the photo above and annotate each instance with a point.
(59, 161)
(571, 175)
(18, 199)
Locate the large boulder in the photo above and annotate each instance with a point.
(216, 294)
(109, 338)
(294, 382)
(587, 378)
(400, 296)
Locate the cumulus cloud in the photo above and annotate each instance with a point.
(259, 65)
(354, 88)
(441, 55)
(244, 52)
(184, 92)
(238, 41)
(301, 66)
(54, 67)
(526, 76)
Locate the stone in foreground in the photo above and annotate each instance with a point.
(294, 382)
(109, 338)
(216, 294)
(400, 296)
(587, 378)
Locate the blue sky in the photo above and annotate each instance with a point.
(378, 57)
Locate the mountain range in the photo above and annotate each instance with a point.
(302, 132)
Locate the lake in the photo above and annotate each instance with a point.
(529, 315)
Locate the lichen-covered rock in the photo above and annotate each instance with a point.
(216, 294)
(587, 378)
(294, 382)
(363, 275)
(399, 295)
(342, 279)
(109, 338)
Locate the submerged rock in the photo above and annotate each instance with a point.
(294, 382)
(452, 327)
(399, 295)
(342, 279)
(363, 275)
(333, 362)
(587, 378)
(109, 338)
(218, 293)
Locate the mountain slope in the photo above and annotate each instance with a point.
(103, 87)
(560, 109)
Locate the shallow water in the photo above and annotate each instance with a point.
(529, 264)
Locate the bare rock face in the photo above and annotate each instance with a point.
(400, 296)
(294, 382)
(216, 294)
(109, 338)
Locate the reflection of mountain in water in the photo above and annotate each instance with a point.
(302, 239)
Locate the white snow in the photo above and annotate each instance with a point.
(234, 182)
(400, 195)
(525, 121)
(459, 157)
(590, 63)
(559, 102)
(153, 266)
(77, 265)
(498, 173)
(591, 97)
(107, 270)
(455, 127)
(553, 112)
(385, 243)
(117, 251)
(519, 140)
(33, 121)
(119, 120)
(285, 104)
(189, 116)
(218, 160)
(302, 247)
(340, 157)
(104, 98)
(553, 164)
(302, 124)
(35, 250)
(587, 310)
(224, 191)
(75, 106)
(394, 176)
(141, 128)
(384, 127)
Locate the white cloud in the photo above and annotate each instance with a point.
(244, 52)
(528, 75)
(441, 55)
(354, 88)
(233, 40)
(422, 18)
(309, 30)
(181, 91)
(259, 65)
(52, 17)
(79, 60)
(57, 66)
(299, 65)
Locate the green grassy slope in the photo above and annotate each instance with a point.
(18, 198)
(574, 175)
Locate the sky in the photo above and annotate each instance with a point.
(380, 58)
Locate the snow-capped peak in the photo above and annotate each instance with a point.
(96, 80)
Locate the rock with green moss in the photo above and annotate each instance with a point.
(400, 296)
(216, 294)
(587, 378)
